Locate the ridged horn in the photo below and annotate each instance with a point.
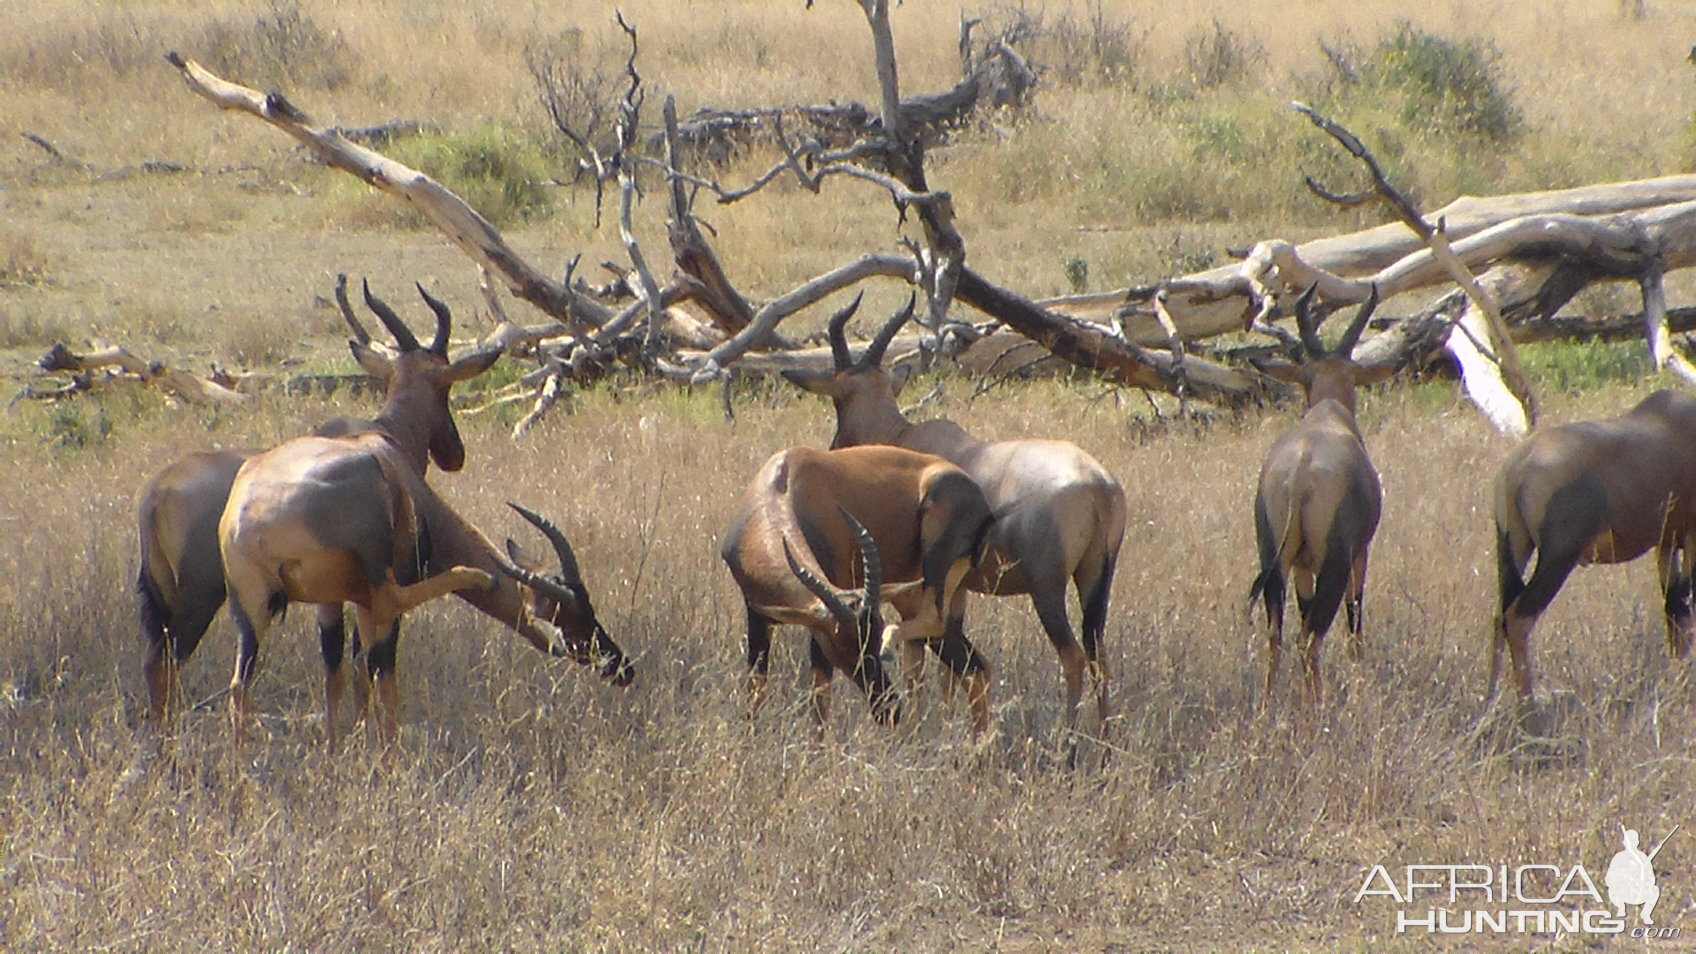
(402, 334)
(839, 355)
(880, 343)
(870, 605)
(562, 547)
(444, 322)
(359, 333)
(1351, 336)
(1304, 323)
(536, 581)
(819, 588)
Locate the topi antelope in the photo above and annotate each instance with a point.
(1595, 492)
(914, 519)
(180, 583)
(1319, 499)
(347, 520)
(1059, 515)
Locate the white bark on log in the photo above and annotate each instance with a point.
(1218, 300)
(1482, 374)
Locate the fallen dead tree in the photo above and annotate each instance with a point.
(1531, 254)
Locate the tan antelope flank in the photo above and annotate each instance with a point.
(1594, 492)
(801, 522)
(1319, 499)
(180, 584)
(348, 520)
(1059, 515)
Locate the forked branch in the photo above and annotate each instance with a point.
(1502, 350)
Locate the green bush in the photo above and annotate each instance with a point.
(1452, 86)
(499, 173)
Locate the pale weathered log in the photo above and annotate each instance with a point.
(1483, 377)
(1221, 299)
(1655, 329)
(190, 388)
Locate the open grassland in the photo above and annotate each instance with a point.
(530, 807)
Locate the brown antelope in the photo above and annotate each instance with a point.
(181, 581)
(332, 520)
(801, 522)
(1059, 515)
(1595, 492)
(1319, 499)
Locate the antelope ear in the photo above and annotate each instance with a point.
(816, 382)
(1365, 374)
(519, 556)
(373, 361)
(1280, 369)
(472, 365)
(900, 375)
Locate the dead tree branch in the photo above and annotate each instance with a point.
(462, 224)
(1495, 330)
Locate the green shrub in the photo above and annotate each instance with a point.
(499, 173)
(1076, 268)
(1452, 86)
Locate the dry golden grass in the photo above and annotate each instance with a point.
(530, 807)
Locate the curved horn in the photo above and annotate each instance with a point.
(562, 595)
(870, 607)
(880, 343)
(562, 548)
(1304, 323)
(839, 355)
(1351, 337)
(819, 588)
(444, 322)
(386, 315)
(359, 333)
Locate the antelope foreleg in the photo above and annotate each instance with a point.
(383, 659)
(392, 599)
(1674, 563)
(1353, 602)
(820, 692)
(332, 645)
(759, 659)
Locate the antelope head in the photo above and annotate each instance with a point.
(1328, 373)
(417, 379)
(862, 391)
(557, 603)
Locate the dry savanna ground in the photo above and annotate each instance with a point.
(531, 807)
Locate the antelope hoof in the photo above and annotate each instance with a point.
(620, 671)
